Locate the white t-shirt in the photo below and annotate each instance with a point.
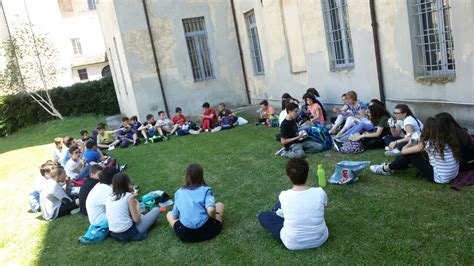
(410, 120)
(443, 170)
(39, 183)
(56, 154)
(304, 226)
(117, 213)
(95, 203)
(282, 116)
(70, 166)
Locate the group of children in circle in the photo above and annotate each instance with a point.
(439, 149)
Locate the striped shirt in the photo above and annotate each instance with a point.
(443, 170)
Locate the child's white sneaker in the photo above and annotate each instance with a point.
(216, 129)
(378, 169)
(111, 148)
(194, 132)
(280, 152)
(393, 152)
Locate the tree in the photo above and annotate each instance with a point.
(32, 66)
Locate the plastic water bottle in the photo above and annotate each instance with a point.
(321, 176)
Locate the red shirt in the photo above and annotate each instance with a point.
(179, 119)
(211, 111)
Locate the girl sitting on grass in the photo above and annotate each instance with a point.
(195, 216)
(442, 147)
(123, 212)
(53, 199)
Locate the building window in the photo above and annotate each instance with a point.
(198, 48)
(91, 4)
(106, 72)
(255, 51)
(76, 46)
(433, 39)
(338, 34)
(83, 74)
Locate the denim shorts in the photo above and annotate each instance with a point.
(131, 234)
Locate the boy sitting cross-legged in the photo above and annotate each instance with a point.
(105, 139)
(166, 125)
(181, 121)
(127, 132)
(149, 129)
(298, 218)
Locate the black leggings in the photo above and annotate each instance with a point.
(373, 143)
(67, 206)
(417, 160)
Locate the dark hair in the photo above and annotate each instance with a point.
(83, 132)
(94, 169)
(107, 175)
(343, 95)
(313, 91)
(284, 103)
(206, 105)
(100, 124)
(309, 96)
(125, 119)
(149, 116)
(160, 112)
(120, 185)
(377, 111)
(46, 167)
(404, 109)
(177, 110)
(68, 141)
(73, 148)
(288, 97)
(264, 102)
(134, 118)
(291, 106)
(194, 177)
(457, 138)
(297, 170)
(223, 105)
(90, 144)
(376, 101)
(100, 127)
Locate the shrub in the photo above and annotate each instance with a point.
(97, 97)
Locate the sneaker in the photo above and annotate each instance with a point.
(194, 132)
(135, 142)
(164, 137)
(146, 142)
(111, 148)
(387, 148)
(216, 129)
(76, 210)
(123, 166)
(393, 152)
(378, 169)
(280, 152)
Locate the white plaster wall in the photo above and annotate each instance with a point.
(94, 72)
(60, 28)
(278, 78)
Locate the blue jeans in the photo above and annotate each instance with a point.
(361, 127)
(84, 172)
(271, 221)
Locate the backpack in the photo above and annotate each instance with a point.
(272, 121)
(95, 233)
(351, 147)
(192, 125)
(319, 134)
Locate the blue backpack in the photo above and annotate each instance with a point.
(319, 134)
(95, 233)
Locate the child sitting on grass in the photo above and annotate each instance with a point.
(135, 124)
(53, 199)
(127, 133)
(76, 168)
(267, 114)
(167, 127)
(180, 120)
(209, 119)
(105, 139)
(123, 212)
(92, 154)
(65, 155)
(298, 219)
(85, 136)
(149, 129)
(195, 216)
(95, 203)
(94, 175)
(58, 146)
(38, 185)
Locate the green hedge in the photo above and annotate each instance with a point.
(98, 97)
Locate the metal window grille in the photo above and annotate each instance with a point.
(91, 4)
(82, 74)
(198, 48)
(434, 41)
(338, 34)
(76, 46)
(254, 41)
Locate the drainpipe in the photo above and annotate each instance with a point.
(378, 62)
(240, 52)
(155, 59)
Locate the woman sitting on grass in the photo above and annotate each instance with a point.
(444, 154)
(195, 216)
(123, 212)
(53, 199)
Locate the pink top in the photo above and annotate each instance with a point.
(315, 110)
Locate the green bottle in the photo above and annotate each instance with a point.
(321, 176)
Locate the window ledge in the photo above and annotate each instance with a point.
(342, 68)
(428, 80)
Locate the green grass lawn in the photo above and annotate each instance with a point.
(394, 220)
